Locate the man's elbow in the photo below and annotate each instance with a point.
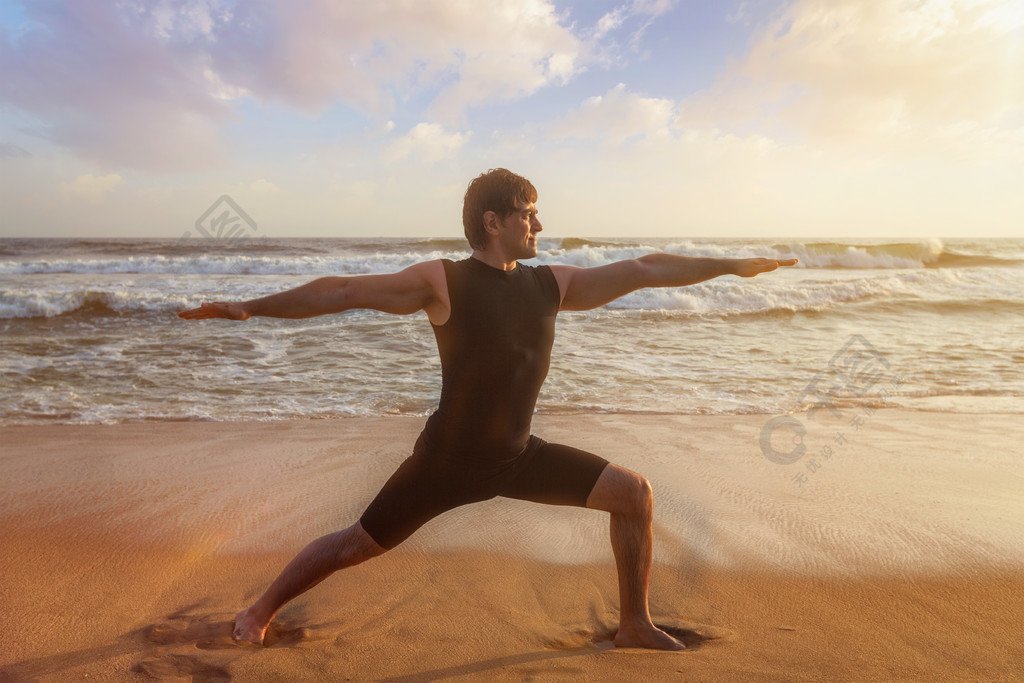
(650, 270)
(335, 294)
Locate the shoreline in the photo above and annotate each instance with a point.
(129, 547)
(925, 405)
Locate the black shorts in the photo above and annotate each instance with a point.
(426, 485)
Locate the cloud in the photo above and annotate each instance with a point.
(935, 75)
(148, 84)
(746, 11)
(602, 46)
(181, 19)
(91, 188)
(653, 8)
(262, 186)
(610, 21)
(617, 116)
(427, 142)
(104, 89)
(491, 52)
(9, 149)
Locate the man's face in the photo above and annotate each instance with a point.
(519, 230)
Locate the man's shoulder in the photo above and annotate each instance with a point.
(431, 266)
(430, 273)
(429, 277)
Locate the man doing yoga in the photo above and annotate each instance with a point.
(494, 321)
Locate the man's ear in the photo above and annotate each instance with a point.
(491, 222)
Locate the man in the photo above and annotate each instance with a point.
(493, 319)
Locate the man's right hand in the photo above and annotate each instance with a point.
(218, 309)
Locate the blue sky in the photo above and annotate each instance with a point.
(818, 118)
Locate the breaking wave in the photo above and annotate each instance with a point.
(354, 257)
(721, 298)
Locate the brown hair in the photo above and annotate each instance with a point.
(498, 190)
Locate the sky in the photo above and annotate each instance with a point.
(636, 118)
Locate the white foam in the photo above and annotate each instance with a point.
(30, 303)
(820, 255)
(787, 291)
(741, 297)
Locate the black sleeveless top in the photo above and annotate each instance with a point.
(495, 350)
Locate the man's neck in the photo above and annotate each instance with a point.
(494, 259)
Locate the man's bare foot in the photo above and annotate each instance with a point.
(248, 629)
(650, 637)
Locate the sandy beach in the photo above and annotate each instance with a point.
(127, 550)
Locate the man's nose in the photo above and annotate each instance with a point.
(536, 227)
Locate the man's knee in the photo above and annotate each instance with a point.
(620, 491)
(643, 497)
(636, 496)
(355, 545)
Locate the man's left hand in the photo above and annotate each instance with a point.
(749, 267)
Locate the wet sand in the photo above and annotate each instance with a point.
(129, 548)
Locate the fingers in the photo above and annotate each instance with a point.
(202, 313)
(193, 314)
(778, 263)
(767, 265)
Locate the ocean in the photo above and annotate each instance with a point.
(89, 331)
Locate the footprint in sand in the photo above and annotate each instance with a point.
(695, 635)
(280, 635)
(213, 632)
(203, 632)
(690, 635)
(180, 666)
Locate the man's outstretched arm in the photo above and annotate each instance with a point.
(586, 288)
(416, 288)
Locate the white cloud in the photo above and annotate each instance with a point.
(653, 7)
(220, 90)
(427, 142)
(309, 55)
(263, 187)
(500, 52)
(638, 15)
(107, 91)
(147, 83)
(91, 188)
(931, 76)
(617, 116)
(610, 21)
(181, 19)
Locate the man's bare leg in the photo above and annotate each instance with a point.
(313, 564)
(627, 496)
